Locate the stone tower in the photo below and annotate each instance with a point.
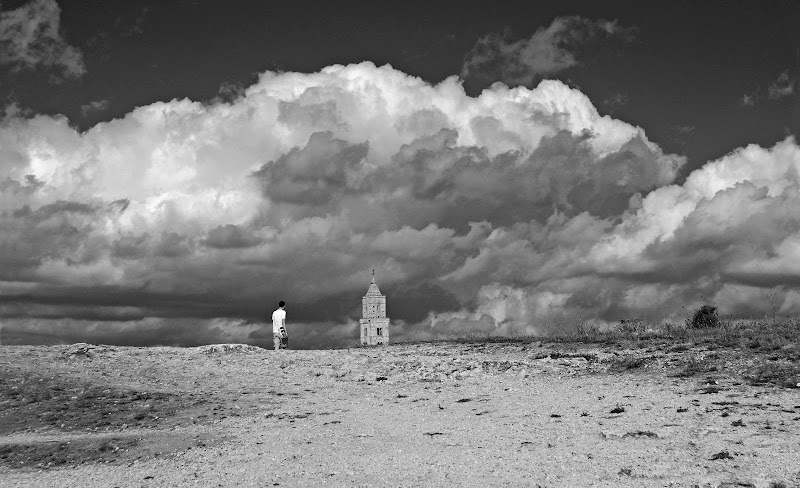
(374, 323)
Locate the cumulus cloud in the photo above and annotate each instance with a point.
(518, 211)
(30, 37)
(731, 223)
(547, 51)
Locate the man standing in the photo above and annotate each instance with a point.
(279, 336)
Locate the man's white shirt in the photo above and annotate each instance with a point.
(278, 320)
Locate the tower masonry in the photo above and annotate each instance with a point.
(374, 323)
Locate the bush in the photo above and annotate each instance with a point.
(704, 317)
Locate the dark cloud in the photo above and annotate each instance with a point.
(315, 174)
(145, 332)
(465, 184)
(749, 99)
(783, 86)
(94, 106)
(30, 37)
(130, 246)
(230, 236)
(547, 51)
(31, 237)
(413, 302)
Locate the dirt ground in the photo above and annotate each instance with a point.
(430, 414)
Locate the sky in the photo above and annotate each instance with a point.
(169, 171)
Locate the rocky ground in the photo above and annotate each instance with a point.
(430, 414)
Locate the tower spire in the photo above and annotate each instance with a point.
(374, 322)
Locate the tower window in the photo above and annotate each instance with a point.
(379, 331)
(365, 331)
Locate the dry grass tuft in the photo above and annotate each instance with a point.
(696, 364)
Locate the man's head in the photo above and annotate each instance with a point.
(281, 304)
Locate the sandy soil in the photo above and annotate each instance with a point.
(443, 414)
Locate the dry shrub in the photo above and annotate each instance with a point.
(587, 331)
(704, 317)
